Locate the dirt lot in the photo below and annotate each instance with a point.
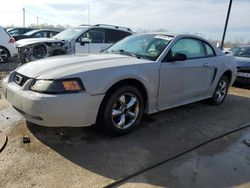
(84, 157)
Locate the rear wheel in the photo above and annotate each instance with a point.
(122, 111)
(220, 92)
(4, 55)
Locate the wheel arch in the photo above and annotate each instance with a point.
(229, 75)
(125, 82)
(6, 50)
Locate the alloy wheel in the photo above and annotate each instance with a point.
(221, 90)
(125, 110)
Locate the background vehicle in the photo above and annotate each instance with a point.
(17, 31)
(7, 47)
(143, 73)
(80, 39)
(40, 33)
(242, 56)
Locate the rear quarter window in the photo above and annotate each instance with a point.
(209, 50)
(113, 36)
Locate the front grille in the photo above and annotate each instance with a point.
(20, 79)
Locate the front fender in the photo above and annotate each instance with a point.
(100, 81)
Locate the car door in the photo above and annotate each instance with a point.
(95, 44)
(185, 81)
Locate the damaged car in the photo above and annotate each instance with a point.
(143, 73)
(80, 39)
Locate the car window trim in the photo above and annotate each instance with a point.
(202, 43)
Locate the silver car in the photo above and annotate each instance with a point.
(143, 73)
(242, 57)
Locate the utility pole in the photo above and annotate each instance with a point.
(89, 14)
(37, 22)
(225, 27)
(23, 17)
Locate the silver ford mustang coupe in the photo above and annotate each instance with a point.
(143, 73)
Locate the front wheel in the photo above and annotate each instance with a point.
(220, 92)
(122, 111)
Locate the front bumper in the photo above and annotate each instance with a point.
(243, 75)
(52, 110)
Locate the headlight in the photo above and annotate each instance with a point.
(58, 86)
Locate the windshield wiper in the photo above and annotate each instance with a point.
(121, 51)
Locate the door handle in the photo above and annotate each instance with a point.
(206, 65)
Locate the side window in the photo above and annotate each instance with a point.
(42, 34)
(192, 48)
(113, 36)
(52, 34)
(210, 51)
(95, 35)
(13, 32)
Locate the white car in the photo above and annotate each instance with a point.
(80, 39)
(7, 45)
(143, 73)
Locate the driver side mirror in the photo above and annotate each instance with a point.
(83, 41)
(177, 57)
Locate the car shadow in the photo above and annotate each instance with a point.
(161, 135)
(242, 86)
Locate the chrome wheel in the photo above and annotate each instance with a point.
(125, 110)
(221, 90)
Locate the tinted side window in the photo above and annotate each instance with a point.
(113, 36)
(192, 48)
(52, 34)
(210, 51)
(95, 35)
(14, 31)
(42, 34)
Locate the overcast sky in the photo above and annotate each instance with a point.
(206, 17)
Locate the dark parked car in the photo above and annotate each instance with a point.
(41, 33)
(242, 56)
(17, 31)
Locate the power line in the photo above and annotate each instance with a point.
(45, 19)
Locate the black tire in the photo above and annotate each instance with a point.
(216, 100)
(57, 52)
(109, 122)
(39, 51)
(5, 54)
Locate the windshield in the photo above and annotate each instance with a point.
(241, 51)
(70, 33)
(148, 46)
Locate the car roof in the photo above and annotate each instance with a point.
(46, 30)
(107, 26)
(19, 28)
(179, 35)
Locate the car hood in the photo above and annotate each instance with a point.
(242, 61)
(67, 65)
(23, 42)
